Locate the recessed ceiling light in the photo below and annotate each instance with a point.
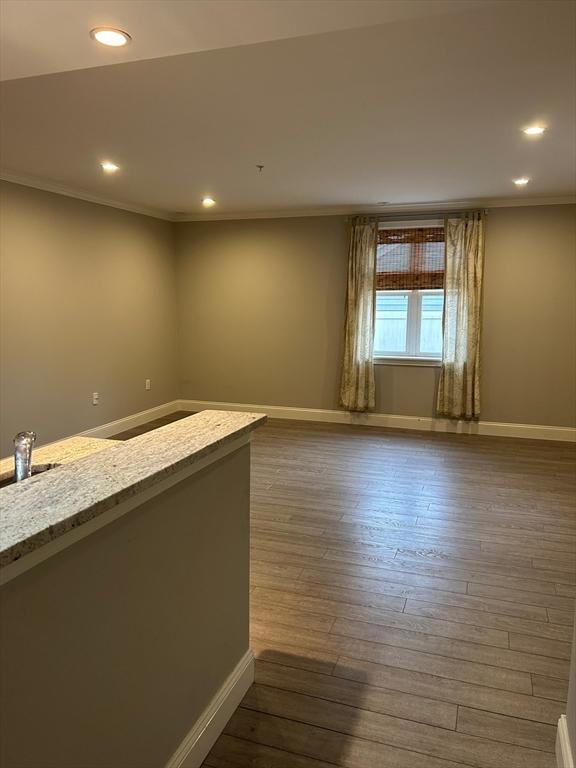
(109, 167)
(115, 38)
(208, 202)
(521, 182)
(534, 130)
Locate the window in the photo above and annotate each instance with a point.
(409, 324)
(409, 292)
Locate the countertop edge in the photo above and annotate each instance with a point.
(33, 541)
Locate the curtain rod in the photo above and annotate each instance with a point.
(415, 215)
(430, 214)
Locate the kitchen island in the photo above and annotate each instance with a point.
(124, 599)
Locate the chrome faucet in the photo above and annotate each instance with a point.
(23, 444)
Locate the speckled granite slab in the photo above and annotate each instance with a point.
(62, 452)
(42, 508)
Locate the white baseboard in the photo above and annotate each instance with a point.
(392, 421)
(202, 736)
(564, 753)
(135, 420)
(423, 423)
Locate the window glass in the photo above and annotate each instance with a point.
(409, 323)
(391, 321)
(431, 323)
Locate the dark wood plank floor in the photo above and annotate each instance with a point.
(412, 600)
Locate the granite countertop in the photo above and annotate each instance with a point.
(61, 452)
(42, 508)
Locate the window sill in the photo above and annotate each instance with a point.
(425, 362)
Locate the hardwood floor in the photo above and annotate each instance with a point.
(412, 600)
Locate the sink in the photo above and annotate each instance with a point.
(37, 469)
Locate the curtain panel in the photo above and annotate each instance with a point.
(357, 382)
(459, 386)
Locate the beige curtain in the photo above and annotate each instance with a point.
(459, 388)
(357, 384)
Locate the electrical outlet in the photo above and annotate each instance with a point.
(95, 398)
(148, 384)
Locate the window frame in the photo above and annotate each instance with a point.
(414, 312)
(412, 356)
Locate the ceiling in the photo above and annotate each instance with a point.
(56, 31)
(403, 102)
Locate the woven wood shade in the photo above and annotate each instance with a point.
(410, 259)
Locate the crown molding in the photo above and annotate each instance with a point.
(436, 206)
(80, 194)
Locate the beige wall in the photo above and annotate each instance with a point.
(261, 310)
(260, 315)
(87, 305)
(529, 349)
(262, 303)
(113, 648)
